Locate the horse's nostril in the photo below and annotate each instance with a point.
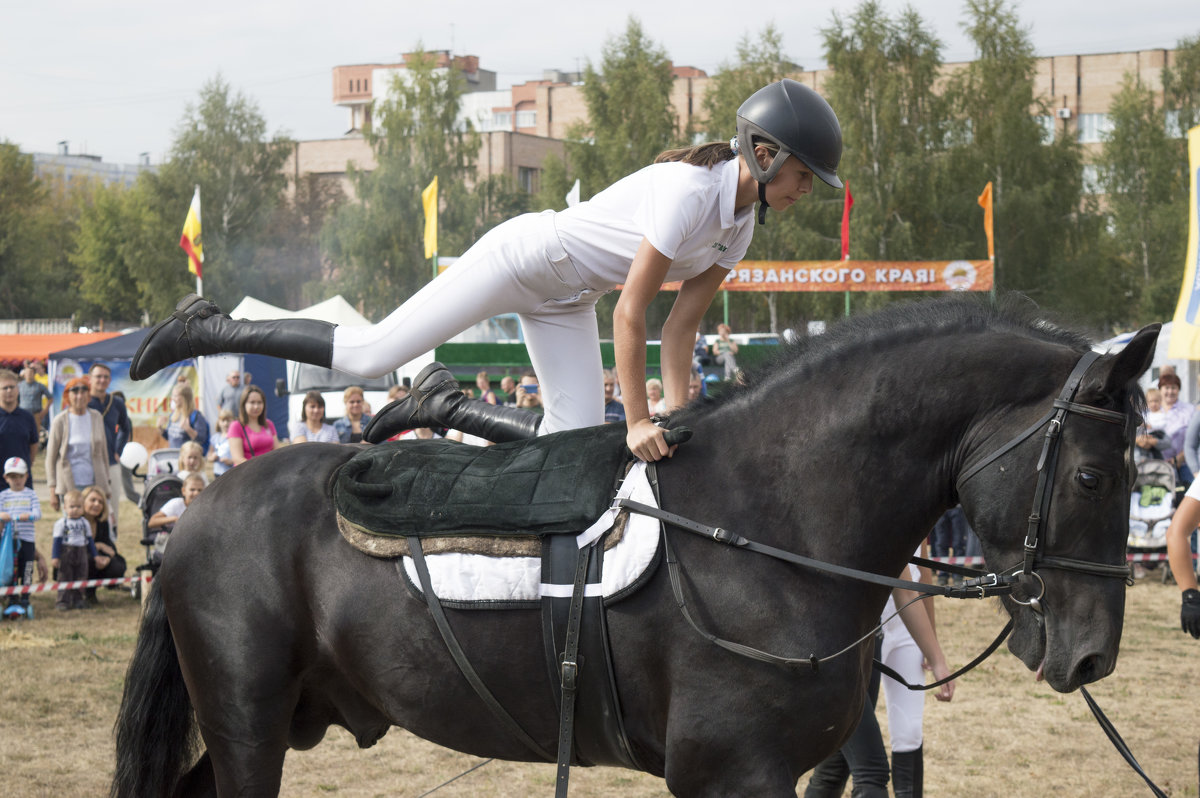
(1092, 668)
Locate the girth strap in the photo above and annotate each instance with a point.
(460, 657)
(569, 674)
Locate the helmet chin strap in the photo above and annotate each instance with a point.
(762, 202)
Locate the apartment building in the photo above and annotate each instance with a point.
(522, 125)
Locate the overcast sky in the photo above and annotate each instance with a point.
(113, 78)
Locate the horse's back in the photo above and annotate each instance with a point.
(259, 510)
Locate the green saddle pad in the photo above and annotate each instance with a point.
(548, 484)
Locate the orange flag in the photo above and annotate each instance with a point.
(985, 202)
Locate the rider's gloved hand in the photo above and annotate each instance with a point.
(1189, 614)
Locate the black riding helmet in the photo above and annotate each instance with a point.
(797, 120)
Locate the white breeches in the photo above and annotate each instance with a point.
(518, 267)
(905, 708)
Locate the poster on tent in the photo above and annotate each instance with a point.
(145, 400)
(1185, 333)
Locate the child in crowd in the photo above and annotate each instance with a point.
(219, 454)
(191, 460)
(73, 550)
(19, 504)
(164, 520)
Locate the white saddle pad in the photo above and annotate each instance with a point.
(479, 578)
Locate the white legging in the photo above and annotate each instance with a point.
(518, 267)
(905, 708)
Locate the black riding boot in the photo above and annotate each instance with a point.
(908, 773)
(198, 327)
(435, 400)
(829, 778)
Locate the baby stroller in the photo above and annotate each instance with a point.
(161, 484)
(1151, 506)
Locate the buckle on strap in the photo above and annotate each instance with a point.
(722, 535)
(569, 672)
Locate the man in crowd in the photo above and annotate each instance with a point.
(527, 393)
(508, 386)
(117, 426)
(614, 410)
(32, 393)
(18, 430)
(231, 392)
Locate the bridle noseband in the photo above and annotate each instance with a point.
(1046, 465)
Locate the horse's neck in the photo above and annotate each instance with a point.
(874, 447)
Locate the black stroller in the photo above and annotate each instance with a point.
(162, 484)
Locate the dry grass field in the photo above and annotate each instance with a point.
(1004, 734)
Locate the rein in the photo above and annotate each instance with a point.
(980, 585)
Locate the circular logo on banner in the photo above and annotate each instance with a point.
(959, 275)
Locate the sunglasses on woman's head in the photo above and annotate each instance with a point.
(76, 389)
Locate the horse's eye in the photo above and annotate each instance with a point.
(1088, 481)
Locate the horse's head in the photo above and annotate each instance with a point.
(1054, 508)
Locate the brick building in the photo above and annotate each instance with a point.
(522, 125)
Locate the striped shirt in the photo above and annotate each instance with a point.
(18, 503)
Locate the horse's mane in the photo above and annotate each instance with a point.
(851, 340)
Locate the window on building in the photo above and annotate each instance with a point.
(1173, 126)
(527, 178)
(1093, 127)
(1046, 123)
(526, 119)
(499, 120)
(1091, 179)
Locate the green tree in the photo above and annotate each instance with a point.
(378, 241)
(995, 135)
(630, 116)
(1145, 186)
(222, 146)
(882, 81)
(129, 265)
(1181, 87)
(556, 182)
(36, 223)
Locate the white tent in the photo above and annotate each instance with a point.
(1188, 370)
(335, 310)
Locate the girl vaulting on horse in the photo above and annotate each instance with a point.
(688, 217)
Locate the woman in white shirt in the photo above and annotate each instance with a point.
(313, 426)
(77, 450)
(689, 218)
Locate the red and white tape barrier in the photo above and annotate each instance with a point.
(1159, 557)
(46, 587)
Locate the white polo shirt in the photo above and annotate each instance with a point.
(685, 211)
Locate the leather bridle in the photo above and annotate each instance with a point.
(1034, 544)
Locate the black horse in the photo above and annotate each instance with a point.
(272, 628)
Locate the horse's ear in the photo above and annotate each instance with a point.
(1132, 361)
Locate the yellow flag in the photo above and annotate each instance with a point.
(190, 240)
(1185, 333)
(985, 202)
(429, 198)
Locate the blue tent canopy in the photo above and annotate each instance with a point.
(123, 347)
